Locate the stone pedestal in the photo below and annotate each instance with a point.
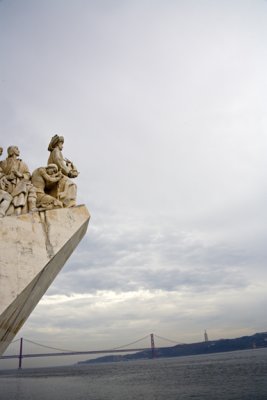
(33, 249)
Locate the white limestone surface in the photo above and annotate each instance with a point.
(33, 249)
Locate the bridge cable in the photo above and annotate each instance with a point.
(129, 344)
(49, 347)
(73, 351)
(14, 341)
(168, 340)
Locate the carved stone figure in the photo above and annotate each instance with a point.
(49, 187)
(5, 197)
(45, 180)
(19, 185)
(66, 189)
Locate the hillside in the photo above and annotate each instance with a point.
(258, 340)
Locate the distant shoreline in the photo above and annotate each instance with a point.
(258, 340)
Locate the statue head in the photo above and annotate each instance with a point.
(13, 150)
(51, 169)
(1, 151)
(56, 141)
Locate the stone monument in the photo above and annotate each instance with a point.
(40, 226)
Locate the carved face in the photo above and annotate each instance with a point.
(51, 170)
(16, 151)
(13, 150)
(60, 145)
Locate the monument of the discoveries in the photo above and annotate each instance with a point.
(40, 226)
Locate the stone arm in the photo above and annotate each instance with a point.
(73, 170)
(18, 170)
(4, 184)
(24, 171)
(50, 178)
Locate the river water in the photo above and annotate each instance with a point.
(240, 375)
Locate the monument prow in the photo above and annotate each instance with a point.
(33, 248)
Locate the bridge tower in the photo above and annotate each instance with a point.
(20, 353)
(153, 353)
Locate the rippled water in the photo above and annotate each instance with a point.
(238, 376)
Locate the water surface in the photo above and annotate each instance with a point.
(238, 375)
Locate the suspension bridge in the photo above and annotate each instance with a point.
(57, 352)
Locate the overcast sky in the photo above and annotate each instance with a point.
(162, 104)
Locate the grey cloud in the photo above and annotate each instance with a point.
(164, 260)
(135, 278)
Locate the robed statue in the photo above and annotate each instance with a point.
(66, 189)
